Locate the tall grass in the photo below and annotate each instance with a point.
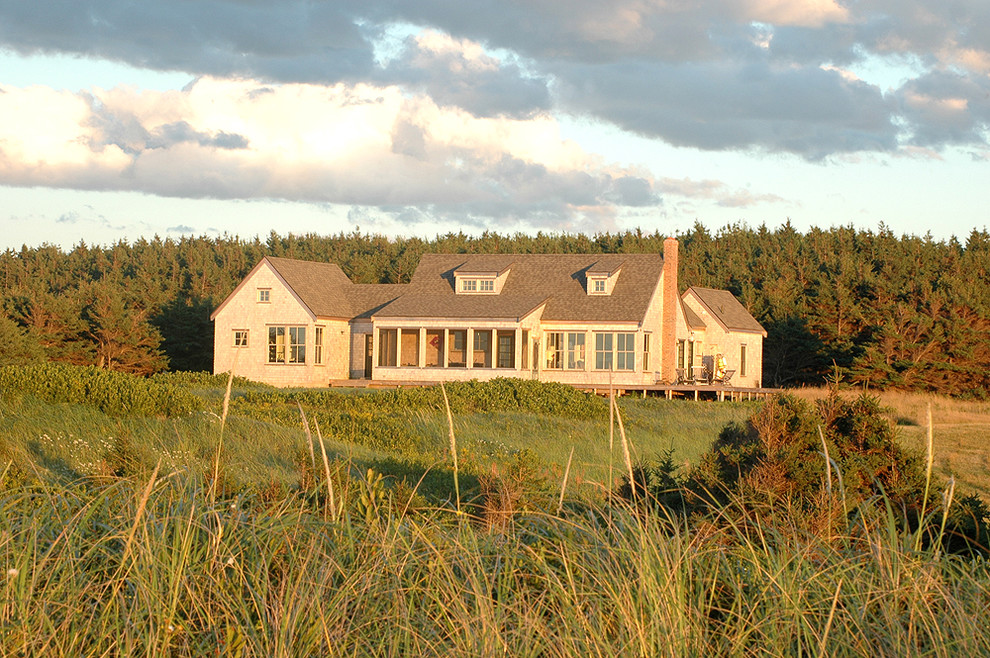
(157, 567)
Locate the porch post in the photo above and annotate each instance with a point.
(374, 352)
(519, 348)
(446, 347)
(421, 355)
(469, 347)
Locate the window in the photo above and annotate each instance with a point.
(240, 337)
(575, 351)
(318, 346)
(615, 350)
(681, 346)
(410, 348)
(625, 351)
(264, 295)
(482, 349)
(456, 354)
(434, 348)
(603, 351)
(286, 344)
(485, 285)
(742, 360)
(388, 347)
(555, 350)
(598, 286)
(507, 349)
(646, 351)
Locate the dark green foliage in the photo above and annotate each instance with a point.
(18, 347)
(906, 312)
(772, 472)
(113, 393)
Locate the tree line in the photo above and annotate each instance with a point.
(872, 307)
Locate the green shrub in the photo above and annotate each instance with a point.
(113, 393)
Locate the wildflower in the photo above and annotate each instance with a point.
(12, 573)
(230, 561)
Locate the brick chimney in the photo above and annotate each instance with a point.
(668, 316)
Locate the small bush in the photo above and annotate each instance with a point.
(113, 393)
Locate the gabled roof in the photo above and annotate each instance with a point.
(556, 280)
(324, 289)
(320, 286)
(691, 318)
(726, 309)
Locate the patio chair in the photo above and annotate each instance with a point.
(728, 375)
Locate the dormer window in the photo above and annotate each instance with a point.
(477, 285)
(600, 278)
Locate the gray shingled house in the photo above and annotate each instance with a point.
(573, 318)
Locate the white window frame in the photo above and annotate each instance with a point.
(554, 351)
(608, 356)
(264, 295)
(318, 344)
(291, 349)
(241, 338)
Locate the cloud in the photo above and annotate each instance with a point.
(361, 145)
(774, 76)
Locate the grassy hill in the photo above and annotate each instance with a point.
(123, 534)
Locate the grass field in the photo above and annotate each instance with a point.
(115, 540)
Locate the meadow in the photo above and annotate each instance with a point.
(219, 528)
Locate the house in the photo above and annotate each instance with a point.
(571, 318)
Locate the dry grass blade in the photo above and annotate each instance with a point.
(309, 435)
(929, 461)
(563, 484)
(828, 462)
(625, 450)
(326, 468)
(453, 445)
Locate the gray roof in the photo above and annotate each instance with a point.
(558, 280)
(724, 306)
(327, 291)
(691, 318)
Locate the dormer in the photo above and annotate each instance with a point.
(481, 279)
(600, 279)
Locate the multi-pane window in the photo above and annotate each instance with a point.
(318, 346)
(742, 360)
(286, 344)
(264, 295)
(625, 351)
(616, 351)
(240, 337)
(603, 351)
(555, 350)
(506, 349)
(477, 285)
(598, 286)
(575, 351)
(646, 351)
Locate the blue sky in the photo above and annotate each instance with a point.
(121, 120)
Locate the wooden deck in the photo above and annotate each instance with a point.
(669, 391)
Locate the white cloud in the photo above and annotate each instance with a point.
(358, 144)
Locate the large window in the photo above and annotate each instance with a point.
(434, 348)
(615, 351)
(555, 350)
(318, 346)
(286, 344)
(388, 348)
(409, 356)
(482, 349)
(457, 354)
(575, 351)
(507, 349)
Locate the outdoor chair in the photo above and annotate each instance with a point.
(728, 375)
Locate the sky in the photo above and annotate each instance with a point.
(122, 120)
